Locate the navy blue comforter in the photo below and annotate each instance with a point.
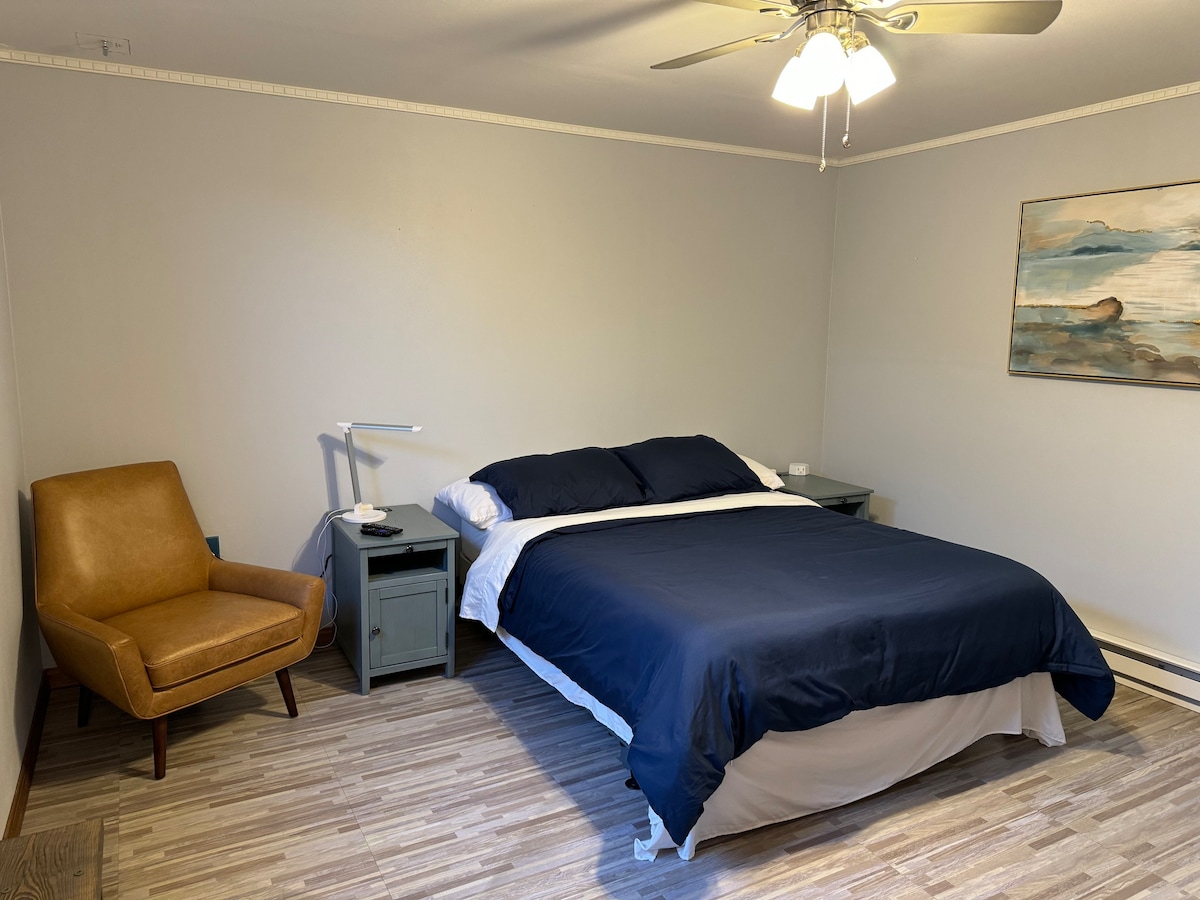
(705, 631)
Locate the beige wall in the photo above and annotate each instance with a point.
(20, 661)
(219, 277)
(1093, 484)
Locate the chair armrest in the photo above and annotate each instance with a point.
(98, 656)
(306, 592)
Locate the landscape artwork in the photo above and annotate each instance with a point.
(1108, 286)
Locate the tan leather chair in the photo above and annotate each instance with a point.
(135, 606)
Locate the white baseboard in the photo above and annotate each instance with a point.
(1152, 671)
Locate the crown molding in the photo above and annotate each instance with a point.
(143, 73)
(1080, 112)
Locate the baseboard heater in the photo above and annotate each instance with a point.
(1152, 671)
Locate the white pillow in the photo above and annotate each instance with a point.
(766, 475)
(476, 502)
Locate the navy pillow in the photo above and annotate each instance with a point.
(687, 468)
(558, 483)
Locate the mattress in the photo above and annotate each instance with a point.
(471, 541)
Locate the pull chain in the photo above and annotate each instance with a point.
(846, 136)
(852, 45)
(824, 125)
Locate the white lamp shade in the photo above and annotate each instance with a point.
(867, 73)
(793, 87)
(824, 62)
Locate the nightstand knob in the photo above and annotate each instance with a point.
(375, 630)
(408, 548)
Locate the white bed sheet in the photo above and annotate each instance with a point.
(784, 775)
(506, 540)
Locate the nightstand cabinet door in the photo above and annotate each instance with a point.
(407, 623)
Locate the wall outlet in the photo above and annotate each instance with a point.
(797, 468)
(103, 44)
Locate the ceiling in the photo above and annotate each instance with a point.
(587, 62)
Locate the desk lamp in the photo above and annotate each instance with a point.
(364, 512)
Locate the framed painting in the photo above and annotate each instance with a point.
(1108, 287)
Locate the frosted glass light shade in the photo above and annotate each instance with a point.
(793, 87)
(867, 73)
(825, 62)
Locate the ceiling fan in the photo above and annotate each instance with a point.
(965, 17)
(834, 52)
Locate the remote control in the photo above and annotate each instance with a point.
(376, 530)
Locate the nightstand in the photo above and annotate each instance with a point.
(851, 499)
(395, 595)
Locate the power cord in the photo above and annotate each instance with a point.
(329, 594)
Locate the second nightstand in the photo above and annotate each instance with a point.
(851, 499)
(395, 595)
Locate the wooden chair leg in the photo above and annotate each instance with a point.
(285, 686)
(85, 706)
(159, 727)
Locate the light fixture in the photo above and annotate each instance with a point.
(825, 62)
(794, 87)
(364, 512)
(867, 72)
(834, 54)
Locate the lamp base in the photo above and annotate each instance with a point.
(369, 515)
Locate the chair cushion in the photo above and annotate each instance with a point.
(221, 629)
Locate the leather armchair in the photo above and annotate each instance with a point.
(135, 606)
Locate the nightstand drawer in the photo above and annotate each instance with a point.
(840, 496)
(850, 506)
(407, 561)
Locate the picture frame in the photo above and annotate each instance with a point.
(1108, 286)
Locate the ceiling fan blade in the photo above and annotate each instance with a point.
(713, 52)
(777, 7)
(983, 17)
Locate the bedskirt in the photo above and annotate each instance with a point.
(787, 775)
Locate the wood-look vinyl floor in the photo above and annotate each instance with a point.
(491, 785)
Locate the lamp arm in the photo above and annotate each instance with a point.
(347, 428)
(353, 465)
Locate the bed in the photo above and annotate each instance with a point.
(761, 657)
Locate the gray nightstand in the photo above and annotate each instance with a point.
(395, 595)
(851, 499)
